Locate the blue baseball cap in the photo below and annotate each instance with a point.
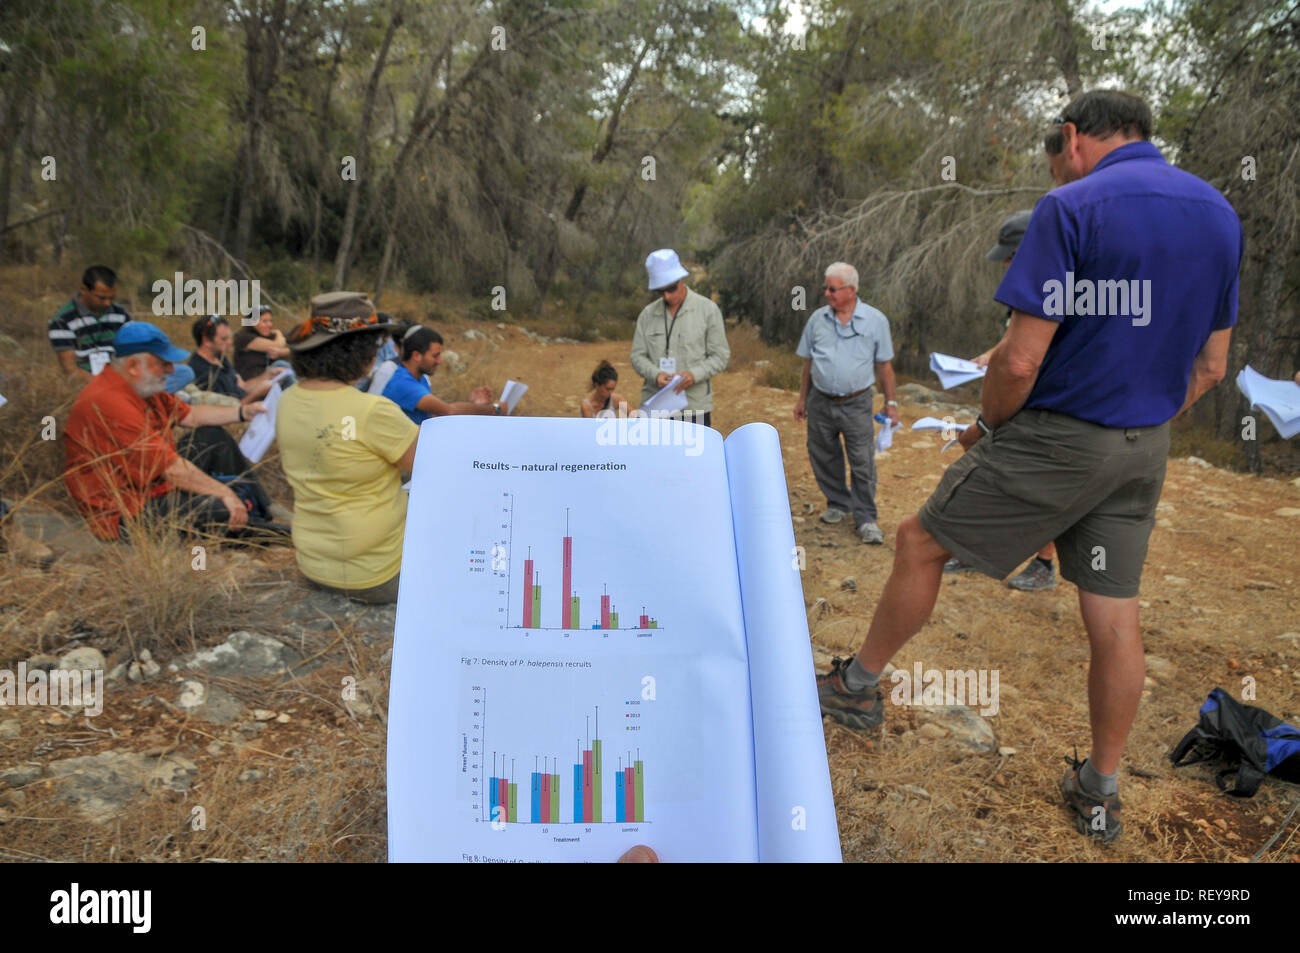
(136, 337)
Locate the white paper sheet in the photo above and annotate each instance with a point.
(796, 811)
(510, 395)
(3, 400)
(934, 423)
(383, 374)
(885, 435)
(98, 361)
(1279, 400)
(954, 370)
(667, 401)
(478, 694)
(260, 434)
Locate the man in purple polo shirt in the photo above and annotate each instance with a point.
(1123, 295)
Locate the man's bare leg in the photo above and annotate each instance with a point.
(908, 597)
(1115, 676)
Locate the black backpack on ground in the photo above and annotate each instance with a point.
(1251, 741)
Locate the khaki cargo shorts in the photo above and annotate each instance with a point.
(1044, 477)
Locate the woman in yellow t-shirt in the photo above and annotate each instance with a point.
(343, 452)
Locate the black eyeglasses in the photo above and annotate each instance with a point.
(829, 290)
(669, 290)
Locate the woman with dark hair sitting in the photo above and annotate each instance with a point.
(343, 452)
(603, 401)
(258, 346)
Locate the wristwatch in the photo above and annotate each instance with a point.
(979, 422)
(891, 403)
(496, 408)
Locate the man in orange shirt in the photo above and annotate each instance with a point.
(121, 458)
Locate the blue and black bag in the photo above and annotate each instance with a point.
(1252, 742)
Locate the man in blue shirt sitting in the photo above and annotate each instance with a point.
(408, 389)
(1123, 295)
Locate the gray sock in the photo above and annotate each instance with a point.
(1097, 783)
(857, 678)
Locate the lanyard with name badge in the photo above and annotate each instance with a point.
(668, 365)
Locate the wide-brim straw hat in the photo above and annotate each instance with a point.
(333, 315)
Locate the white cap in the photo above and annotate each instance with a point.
(664, 269)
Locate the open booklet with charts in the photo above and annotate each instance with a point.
(601, 642)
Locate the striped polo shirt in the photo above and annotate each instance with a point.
(76, 329)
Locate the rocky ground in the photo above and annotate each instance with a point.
(263, 738)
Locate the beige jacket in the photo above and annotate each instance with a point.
(699, 343)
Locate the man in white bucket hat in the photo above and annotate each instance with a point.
(679, 333)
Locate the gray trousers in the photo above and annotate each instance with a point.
(827, 421)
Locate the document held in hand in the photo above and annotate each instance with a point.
(601, 642)
(260, 434)
(510, 395)
(666, 400)
(954, 370)
(1280, 400)
(934, 423)
(885, 435)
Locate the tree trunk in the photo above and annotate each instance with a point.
(390, 243)
(228, 207)
(12, 134)
(606, 144)
(326, 169)
(61, 236)
(342, 260)
(823, 173)
(247, 194)
(1264, 350)
(1068, 51)
(428, 120)
(267, 32)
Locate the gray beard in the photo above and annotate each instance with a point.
(150, 386)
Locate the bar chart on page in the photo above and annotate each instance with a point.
(582, 755)
(551, 570)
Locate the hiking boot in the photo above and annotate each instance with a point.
(856, 710)
(1103, 824)
(22, 547)
(1034, 577)
(833, 515)
(870, 533)
(956, 565)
